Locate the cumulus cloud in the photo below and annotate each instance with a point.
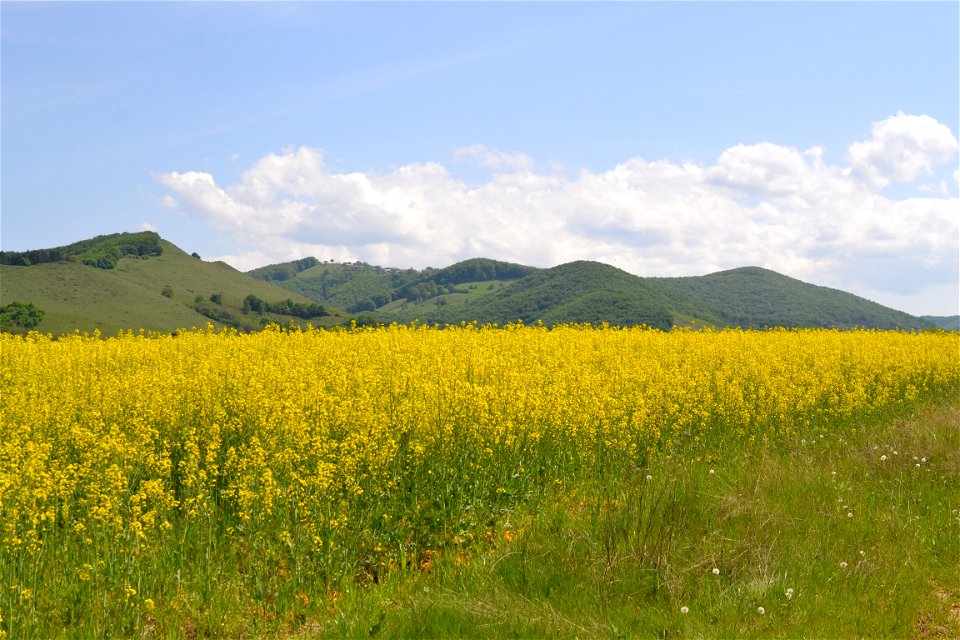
(762, 204)
(902, 148)
(146, 226)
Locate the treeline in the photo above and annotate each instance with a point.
(305, 310)
(285, 271)
(479, 270)
(102, 251)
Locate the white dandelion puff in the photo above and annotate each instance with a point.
(684, 610)
(761, 610)
(716, 571)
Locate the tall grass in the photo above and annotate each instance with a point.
(820, 538)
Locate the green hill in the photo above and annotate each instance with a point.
(574, 292)
(752, 297)
(137, 280)
(491, 291)
(359, 287)
(162, 291)
(950, 323)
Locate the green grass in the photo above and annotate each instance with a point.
(619, 556)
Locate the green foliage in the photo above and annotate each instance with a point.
(575, 292)
(253, 304)
(287, 307)
(216, 298)
(948, 323)
(585, 292)
(20, 315)
(752, 297)
(167, 291)
(480, 270)
(284, 271)
(353, 286)
(102, 251)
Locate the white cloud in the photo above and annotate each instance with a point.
(761, 204)
(496, 159)
(902, 148)
(146, 226)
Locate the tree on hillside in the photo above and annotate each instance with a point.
(23, 315)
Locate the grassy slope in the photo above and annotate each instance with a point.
(755, 297)
(77, 296)
(867, 547)
(190, 277)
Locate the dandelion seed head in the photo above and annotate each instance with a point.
(684, 610)
(649, 478)
(761, 610)
(716, 571)
(843, 565)
(882, 458)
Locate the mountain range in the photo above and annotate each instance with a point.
(138, 280)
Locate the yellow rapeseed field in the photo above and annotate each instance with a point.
(319, 447)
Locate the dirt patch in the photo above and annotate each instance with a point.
(943, 621)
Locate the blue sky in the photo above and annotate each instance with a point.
(816, 139)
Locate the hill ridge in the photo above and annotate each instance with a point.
(592, 291)
(147, 281)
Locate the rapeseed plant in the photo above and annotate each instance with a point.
(305, 456)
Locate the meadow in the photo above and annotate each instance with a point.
(516, 481)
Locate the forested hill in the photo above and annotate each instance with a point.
(491, 291)
(757, 298)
